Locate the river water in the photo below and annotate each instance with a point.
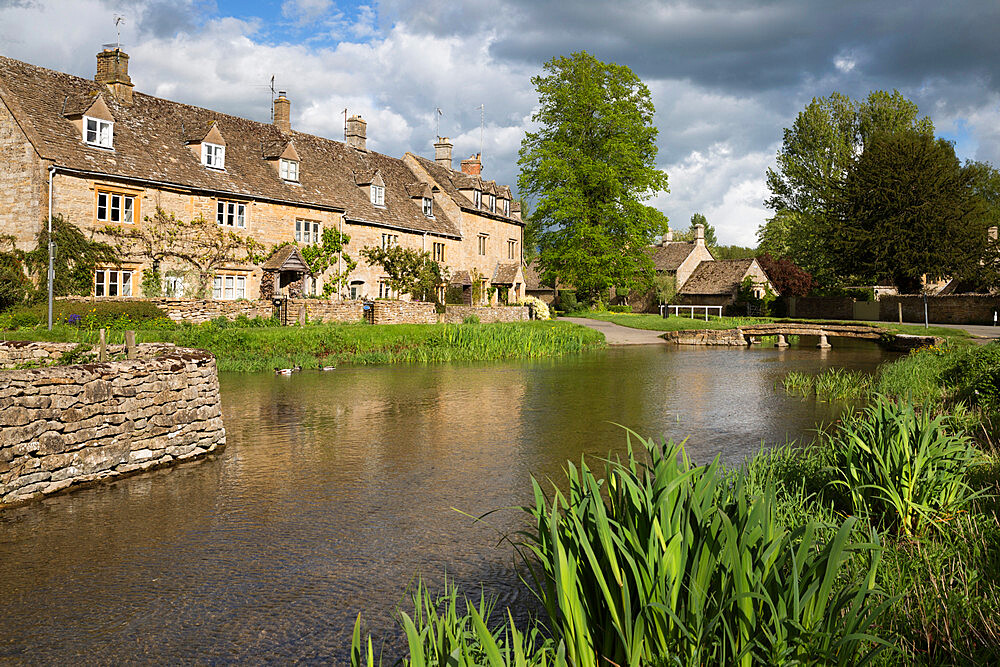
(337, 490)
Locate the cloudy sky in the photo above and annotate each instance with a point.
(726, 75)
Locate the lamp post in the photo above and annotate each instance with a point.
(52, 246)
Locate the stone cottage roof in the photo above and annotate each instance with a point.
(151, 145)
(533, 277)
(461, 277)
(286, 258)
(671, 256)
(450, 181)
(505, 274)
(718, 277)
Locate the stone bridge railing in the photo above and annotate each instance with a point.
(747, 335)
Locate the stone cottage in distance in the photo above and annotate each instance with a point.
(101, 154)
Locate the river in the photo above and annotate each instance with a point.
(337, 490)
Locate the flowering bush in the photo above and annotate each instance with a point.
(539, 306)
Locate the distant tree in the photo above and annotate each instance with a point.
(409, 271)
(910, 208)
(590, 166)
(817, 153)
(76, 258)
(201, 244)
(733, 252)
(531, 232)
(786, 277)
(710, 239)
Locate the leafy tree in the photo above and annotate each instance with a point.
(591, 165)
(910, 208)
(817, 154)
(202, 244)
(321, 257)
(710, 239)
(786, 277)
(76, 258)
(410, 271)
(733, 252)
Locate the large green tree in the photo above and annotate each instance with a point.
(817, 154)
(590, 166)
(909, 208)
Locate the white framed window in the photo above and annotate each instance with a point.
(389, 240)
(229, 287)
(428, 206)
(493, 203)
(97, 132)
(485, 299)
(112, 282)
(213, 155)
(511, 249)
(289, 170)
(378, 195)
(173, 286)
(231, 214)
(307, 232)
(477, 198)
(437, 252)
(310, 286)
(115, 207)
(483, 241)
(355, 288)
(384, 291)
(506, 206)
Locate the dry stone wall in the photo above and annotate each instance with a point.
(951, 309)
(457, 314)
(62, 426)
(403, 312)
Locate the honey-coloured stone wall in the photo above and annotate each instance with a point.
(457, 314)
(63, 426)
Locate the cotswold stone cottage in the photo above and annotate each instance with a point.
(101, 154)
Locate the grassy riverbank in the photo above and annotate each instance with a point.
(251, 346)
(880, 542)
(672, 323)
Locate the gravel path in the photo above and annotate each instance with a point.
(616, 334)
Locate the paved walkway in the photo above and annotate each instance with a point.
(977, 330)
(616, 334)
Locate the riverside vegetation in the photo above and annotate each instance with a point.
(259, 344)
(878, 544)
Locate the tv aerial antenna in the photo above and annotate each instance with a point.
(119, 22)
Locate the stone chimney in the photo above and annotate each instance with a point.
(992, 232)
(442, 152)
(472, 166)
(699, 234)
(112, 70)
(356, 133)
(667, 238)
(283, 113)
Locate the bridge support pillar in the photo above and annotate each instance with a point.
(781, 341)
(823, 342)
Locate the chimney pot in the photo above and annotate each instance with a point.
(699, 234)
(283, 113)
(472, 166)
(112, 71)
(442, 152)
(357, 133)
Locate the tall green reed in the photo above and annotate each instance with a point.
(663, 562)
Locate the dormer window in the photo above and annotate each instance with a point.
(506, 206)
(97, 132)
(493, 203)
(378, 195)
(477, 198)
(428, 206)
(213, 156)
(288, 170)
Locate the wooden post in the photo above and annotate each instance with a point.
(102, 354)
(900, 305)
(130, 344)
(302, 316)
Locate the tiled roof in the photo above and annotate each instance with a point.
(461, 278)
(450, 181)
(505, 274)
(533, 278)
(671, 256)
(286, 258)
(150, 144)
(718, 277)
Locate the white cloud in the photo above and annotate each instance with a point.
(305, 11)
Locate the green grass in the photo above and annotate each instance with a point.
(262, 348)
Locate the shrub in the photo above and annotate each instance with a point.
(87, 315)
(903, 468)
(975, 375)
(539, 307)
(567, 301)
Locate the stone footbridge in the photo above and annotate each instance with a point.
(822, 331)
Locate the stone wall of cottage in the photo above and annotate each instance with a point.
(22, 195)
(821, 307)
(457, 314)
(951, 309)
(62, 426)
